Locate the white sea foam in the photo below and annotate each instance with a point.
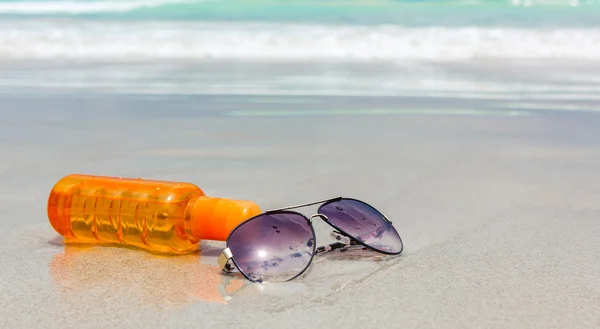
(80, 7)
(85, 40)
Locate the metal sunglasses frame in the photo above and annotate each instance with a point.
(226, 256)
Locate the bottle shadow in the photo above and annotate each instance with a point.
(122, 273)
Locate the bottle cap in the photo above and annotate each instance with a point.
(214, 218)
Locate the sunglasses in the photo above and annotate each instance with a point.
(279, 245)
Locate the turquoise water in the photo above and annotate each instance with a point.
(532, 13)
(346, 30)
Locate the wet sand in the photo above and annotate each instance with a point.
(498, 211)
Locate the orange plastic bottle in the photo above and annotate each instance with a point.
(160, 216)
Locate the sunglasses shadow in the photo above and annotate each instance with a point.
(354, 253)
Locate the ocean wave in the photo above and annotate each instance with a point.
(79, 40)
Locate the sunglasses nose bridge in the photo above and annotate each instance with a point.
(319, 215)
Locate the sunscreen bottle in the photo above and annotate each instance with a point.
(159, 216)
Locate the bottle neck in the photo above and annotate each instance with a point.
(211, 218)
(193, 220)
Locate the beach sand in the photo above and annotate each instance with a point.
(498, 211)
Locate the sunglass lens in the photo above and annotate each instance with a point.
(273, 247)
(364, 223)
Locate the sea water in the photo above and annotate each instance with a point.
(491, 48)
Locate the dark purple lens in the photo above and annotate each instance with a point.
(273, 247)
(364, 223)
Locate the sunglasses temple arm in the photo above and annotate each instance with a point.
(345, 241)
(330, 247)
(335, 246)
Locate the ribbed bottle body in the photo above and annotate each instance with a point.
(147, 214)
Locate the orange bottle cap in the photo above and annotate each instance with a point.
(214, 218)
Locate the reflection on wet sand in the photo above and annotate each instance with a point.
(151, 279)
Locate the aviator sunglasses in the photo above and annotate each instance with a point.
(279, 245)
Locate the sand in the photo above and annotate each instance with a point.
(498, 213)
